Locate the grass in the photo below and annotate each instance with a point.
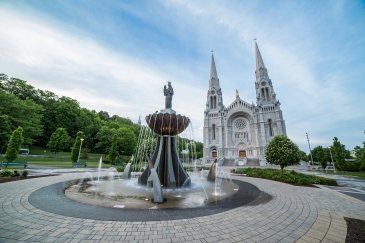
(60, 160)
(352, 174)
(290, 177)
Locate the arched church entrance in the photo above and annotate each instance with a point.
(214, 153)
(242, 153)
(242, 150)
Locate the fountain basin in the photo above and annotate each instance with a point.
(53, 199)
(167, 123)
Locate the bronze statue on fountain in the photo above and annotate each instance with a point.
(165, 158)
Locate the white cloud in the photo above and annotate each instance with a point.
(314, 99)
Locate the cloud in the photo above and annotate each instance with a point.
(171, 40)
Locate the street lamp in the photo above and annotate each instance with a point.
(310, 150)
(78, 158)
(331, 155)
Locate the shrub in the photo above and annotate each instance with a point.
(291, 177)
(120, 169)
(15, 174)
(6, 173)
(25, 173)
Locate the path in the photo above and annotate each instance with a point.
(300, 214)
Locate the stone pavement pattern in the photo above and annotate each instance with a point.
(300, 214)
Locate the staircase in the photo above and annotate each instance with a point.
(253, 162)
(229, 162)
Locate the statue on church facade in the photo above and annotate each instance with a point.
(168, 92)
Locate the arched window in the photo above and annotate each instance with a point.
(213, 132)
(270, 128)
(267, 94)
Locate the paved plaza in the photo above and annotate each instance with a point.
(295, 214)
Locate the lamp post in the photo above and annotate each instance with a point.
(310, 150)
(78, 158)
(331, 155)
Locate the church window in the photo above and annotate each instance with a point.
(240, 124)
(213, 132)
(213, 102)
(270, 128)
(267, 93)
(263, 94)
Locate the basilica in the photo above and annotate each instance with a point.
(238, 134)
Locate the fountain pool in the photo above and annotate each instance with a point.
(120, 193)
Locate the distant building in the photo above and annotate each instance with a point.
(239, 133)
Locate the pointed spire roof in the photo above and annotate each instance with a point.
(259, 61)
(213, 70)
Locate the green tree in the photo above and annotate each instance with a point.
(14, 144)
(321, 155)
(76, 147)
(59, 141)
(5, 131)
(360, 156)
(104, 137)
(303, 156)
(282, 151)
(113, 150)
(22, 113)
(340, 153)
(127, 140)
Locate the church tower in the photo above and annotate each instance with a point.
(213, 119)
(237, 134)
(269, 117)
(214, 96)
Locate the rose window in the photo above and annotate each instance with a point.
(240, 124)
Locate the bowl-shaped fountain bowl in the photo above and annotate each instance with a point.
(167, 123)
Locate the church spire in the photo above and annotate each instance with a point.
(213, 80)
(261, 71)
(264, 89)
(214, 96)
(259, 61)
(213, 70)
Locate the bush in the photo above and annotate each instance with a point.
(15, 174)
(291, 177)
(6, 173)
(25, 173)
(120, 169)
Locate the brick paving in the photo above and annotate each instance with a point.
(295, 214)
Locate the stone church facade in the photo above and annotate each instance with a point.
(238, 134)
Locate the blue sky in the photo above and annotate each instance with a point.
(117, 55)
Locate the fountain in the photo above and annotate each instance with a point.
(167, 124)
(164, 191)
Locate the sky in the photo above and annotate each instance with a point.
(116, 56)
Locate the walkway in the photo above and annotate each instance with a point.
(302, 214)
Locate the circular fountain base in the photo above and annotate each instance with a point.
(53, 199)
(129, 194)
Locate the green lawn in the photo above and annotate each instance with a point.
(352, 174)
(60, 160)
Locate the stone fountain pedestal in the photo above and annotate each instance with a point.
(165, 158)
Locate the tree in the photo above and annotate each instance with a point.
(5, 131)
(282, 151)
(321, 155)
(303, 156)
(340, 153)
(14, 144)
(360, 156)
(76, 147)
(127, 140)
(113, 150)
(59, 141)
(22, 113)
